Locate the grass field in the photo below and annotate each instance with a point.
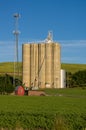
(61, 109)
(73, 67)
(8, 67)
(66, 110)
(75, 92)
(76, 97)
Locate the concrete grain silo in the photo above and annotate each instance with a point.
(26, 64)
(48, 65)
(41, 65)
(57, 65)
(34, 64)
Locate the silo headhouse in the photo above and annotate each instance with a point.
(41, 64)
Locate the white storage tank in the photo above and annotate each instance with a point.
(63, 78)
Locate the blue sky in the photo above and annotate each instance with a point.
(66, 18)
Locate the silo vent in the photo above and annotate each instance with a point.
(49, 38)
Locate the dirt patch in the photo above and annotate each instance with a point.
(36, 93)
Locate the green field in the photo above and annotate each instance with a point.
(8, 67)
(65, 110)
(61, 109)
(73, 67)
(75, 92)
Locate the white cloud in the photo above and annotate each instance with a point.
(73, 43)
(73, 59)
(71, 50)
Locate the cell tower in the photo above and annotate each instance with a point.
(16, 34)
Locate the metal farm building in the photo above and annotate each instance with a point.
(41, 65)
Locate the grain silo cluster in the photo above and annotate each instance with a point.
(41, 65)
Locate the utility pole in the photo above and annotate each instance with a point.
(16, 34)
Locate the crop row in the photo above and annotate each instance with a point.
(45, 121)
(43, 113)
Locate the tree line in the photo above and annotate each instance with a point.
(78, 79)
(8, 83)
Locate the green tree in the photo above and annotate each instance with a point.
(9, 88)
(79, 79)
(6, 84)
(69, 79)
(2, 85)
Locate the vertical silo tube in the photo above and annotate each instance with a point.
(57, 80)
(52, 66)
(26, 64)
(48, 65)
(36, 65)
(41, 66)
(32, 65)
